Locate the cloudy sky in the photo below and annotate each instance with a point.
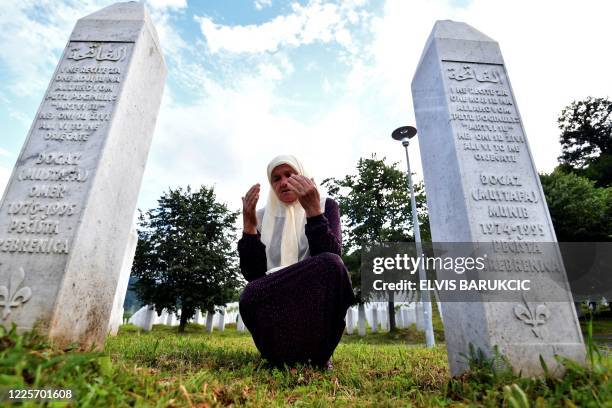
(325, 80)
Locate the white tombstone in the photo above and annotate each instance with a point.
(144, 318)
(240, 324)
(124, 278)
(149, 319)
(139, 318)
(198, 317)
(374, 320)
(404, 312)
(410, 317)
(350, 325)
(231, 312)
(221, 321)
(420, 317)
(470, 137)
(158, 319)
(164, 317)
(362, 319)
(209, 322)
(398, 320)
(67, 210)
(204, 318)
(384, 319)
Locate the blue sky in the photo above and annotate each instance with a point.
(325, 80)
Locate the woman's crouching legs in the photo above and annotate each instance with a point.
(297, 314)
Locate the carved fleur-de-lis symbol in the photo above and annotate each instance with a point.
(532, 317)
(11, 296)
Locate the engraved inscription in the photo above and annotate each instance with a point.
(49, 186)
(97, 51)
(42, 210)
(489, 136)
(34, 245)
(47, 191)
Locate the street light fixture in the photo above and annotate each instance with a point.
(404, 134)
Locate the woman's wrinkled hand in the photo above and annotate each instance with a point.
(307, 194)
(249, 214)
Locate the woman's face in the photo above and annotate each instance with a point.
(278, 178)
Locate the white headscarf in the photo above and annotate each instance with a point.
(282, 225)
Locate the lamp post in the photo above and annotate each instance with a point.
(404, 134)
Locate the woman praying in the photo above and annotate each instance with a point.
(299, 289)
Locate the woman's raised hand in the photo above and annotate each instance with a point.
(249, 215)
(307, 194)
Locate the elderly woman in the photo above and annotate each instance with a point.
(299, 289)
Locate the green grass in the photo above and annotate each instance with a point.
(163, 368)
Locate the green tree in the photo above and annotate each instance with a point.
(375, 208)
(579, 210)
(185, 258)
(586, 139)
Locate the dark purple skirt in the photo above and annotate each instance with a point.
(296, 315)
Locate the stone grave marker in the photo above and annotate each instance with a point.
(169, 316)
(410, 317)
(209, 322)
(374, 319)
(361, 319)
(149, 319)
(482, 187)
(66, 213)
(221, 321)
(350, 324)
(240, 324)
(420, 316)
(122, 284)
(384, 319)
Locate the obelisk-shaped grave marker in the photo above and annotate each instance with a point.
(482, 186)
(66, 213)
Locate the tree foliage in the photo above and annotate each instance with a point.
(579, 210)
(375, 204)
(586, 139)
(185, 258)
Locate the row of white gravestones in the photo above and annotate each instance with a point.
(146, 317)
(67, 209)
(376, 316)
(470, 137)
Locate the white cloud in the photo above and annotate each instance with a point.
(315, 22)
(167, 4)
(261, 4)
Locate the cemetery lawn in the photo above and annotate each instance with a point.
(163, 368)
